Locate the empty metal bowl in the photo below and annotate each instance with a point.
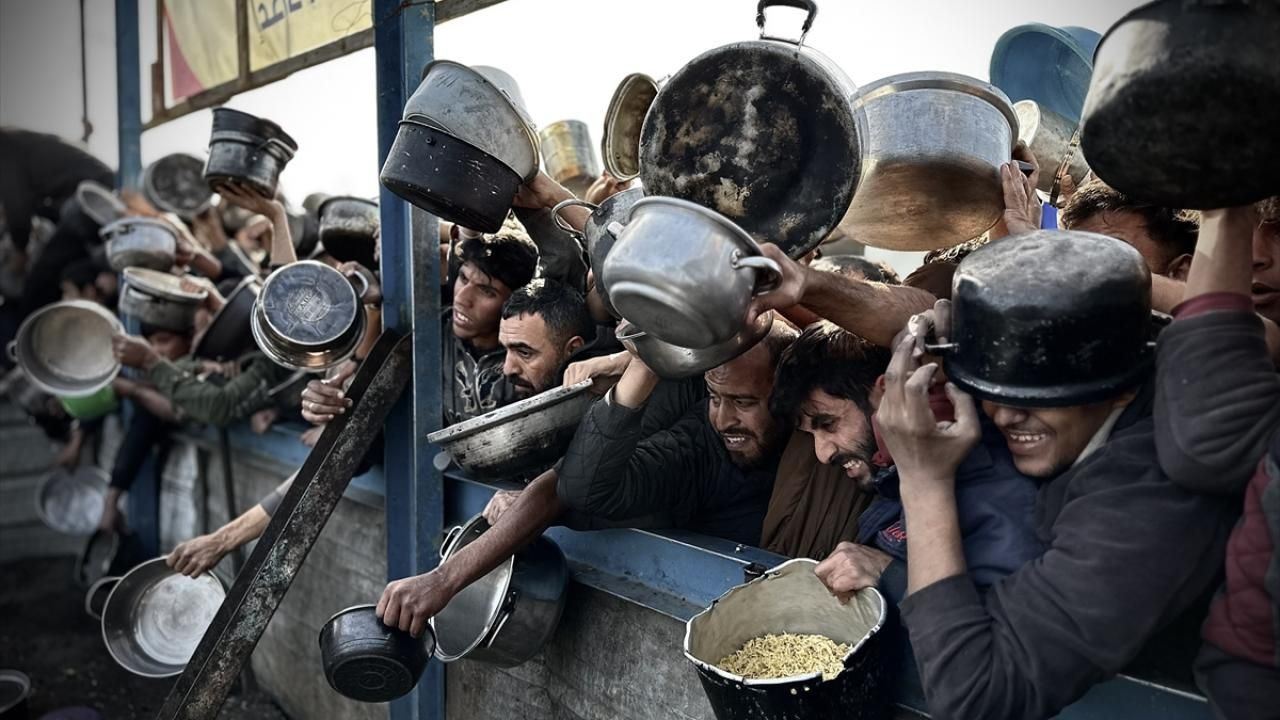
(65, 348)
(70, 501)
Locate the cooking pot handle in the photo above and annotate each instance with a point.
(806, 5)
(449, 537)
(94, 590)
(940, 348)
(507, 608)
(764, 265)
(358, 278)
(635, 333)
(615, 228)
(12, 350)
(571, 202)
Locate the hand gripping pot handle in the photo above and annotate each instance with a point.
(807, 5)
(571, 202)
(95, 589)
(765, 266)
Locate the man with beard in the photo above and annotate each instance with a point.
(543, 324)
(830, 383)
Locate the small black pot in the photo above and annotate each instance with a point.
(448, 177)
(348, 228)
(228, 335)
(248, 149)
(368, 661)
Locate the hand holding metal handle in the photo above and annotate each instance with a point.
(765, 266)
(94, 589)
(571, 202)
(358, 277)
(806, 5)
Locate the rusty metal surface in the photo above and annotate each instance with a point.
(260, 587)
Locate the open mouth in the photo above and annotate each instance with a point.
(734, 441)
(1022, 443)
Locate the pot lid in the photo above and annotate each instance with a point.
(162, 285)
(494, 418)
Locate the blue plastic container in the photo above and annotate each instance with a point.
(1047, 64)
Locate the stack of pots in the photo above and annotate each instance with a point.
(464, 146)
(247, 149)
(159, 300)
(309, 316)
(65, 350)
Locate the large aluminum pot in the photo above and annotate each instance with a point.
(596, 235)
(247, 149)
(65, 348)
(569, 155)
(1184, 104)
(308, 316)
(1055, 144)
(672, 362)
(368, 661)
(620, 146)
(158, 299)
(349, 228)
(763, 132)
(228, 335)
(507, 616)
(175, 183)
(520, 437)
(683, 273)
(153, 617)
(931, 164)
(70, 501)
(790, 599)
(481, 106)
(140, 242)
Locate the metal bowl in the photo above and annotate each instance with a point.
(520, 436)
(673, 362)
(228, 335)
(308, 316)
(154, 618)
(175, 183)
(70, 501)
(140, 242)
(65, 348)
(368, 661)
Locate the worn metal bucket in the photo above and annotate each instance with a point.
(569, 155)
(791, 599)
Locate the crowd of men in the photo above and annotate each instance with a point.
(1036, 521)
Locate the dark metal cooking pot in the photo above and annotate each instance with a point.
(596, 235)
(507, 616)
(308, 316)
(175, 184)
(65, 348)
(154, 617)
(228, 335)
(790, 599)
(140, 242)
(15, 688)
(248, 149)
(672, 362)
(349, 228)
(1078, 334)
(1184, 104)
(620, 146)
(157, 298)
(368, 661)
(449, 177)
(762, 132)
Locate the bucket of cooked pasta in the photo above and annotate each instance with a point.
(781, 646)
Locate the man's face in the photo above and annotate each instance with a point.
(739, 407)
(1129, 227)
(170, 345)
(1266, 269)
(1045, 442)
(534, 360)
(477, 303)
(842, 434)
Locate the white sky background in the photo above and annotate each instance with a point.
(568, 56)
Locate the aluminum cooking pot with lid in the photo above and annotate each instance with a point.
(672, 362)
(596, 235)
(65, 348)
(763, 132)
(507, 616)
(620, 146)
(153, 617)
(1192, 87)
(368, 661)
(140, 242)
(931, 163)
(683, 273)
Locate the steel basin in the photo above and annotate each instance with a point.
(65, 348)
(140, 242)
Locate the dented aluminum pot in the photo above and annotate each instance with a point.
(763, 132)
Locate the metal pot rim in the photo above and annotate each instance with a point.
(84, 305)
(17, 677)
(265, 291)
(113, 228)
(626, 89)
(939, 80)
(302, 360)
(734, 230)
(161, 285)
(514, 411)
(452, 545)
(791, 566)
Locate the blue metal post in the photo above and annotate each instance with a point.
(403, 40)
(128, 94)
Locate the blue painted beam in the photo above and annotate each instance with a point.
(128, 95)
(403, 43)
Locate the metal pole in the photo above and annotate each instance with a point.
(404, 43)
(128, 95)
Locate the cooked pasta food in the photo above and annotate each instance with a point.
(785, 655)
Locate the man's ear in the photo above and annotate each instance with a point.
(877, 392)
(1179, 267)
(574, 345)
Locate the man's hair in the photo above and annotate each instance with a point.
(81, 273)
(830, 359)
(508, 257)
(1269, 209)
(844, 264)
(562, 308)
(780, 337)
(1174, 230)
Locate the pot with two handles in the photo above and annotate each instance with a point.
(158, 298)
(309, 316)
(684, 273)
(596, 235)
(247, 149)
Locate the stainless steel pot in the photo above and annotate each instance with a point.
(228, 335)
(596, 235)
(620, 146)
(154, 618)
(367, 661)
(70, 501)
(569, 155)
(931, 163)
(790, 599)
(522, 436)
(479, 106)
(507, 616)
(683, 273)
(1184, 103)
(140, 242)
(308, 316)
(672, 362)
(65, 348)
(763, 132)
(175, 183)
(1054, 142)
(157, 298)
